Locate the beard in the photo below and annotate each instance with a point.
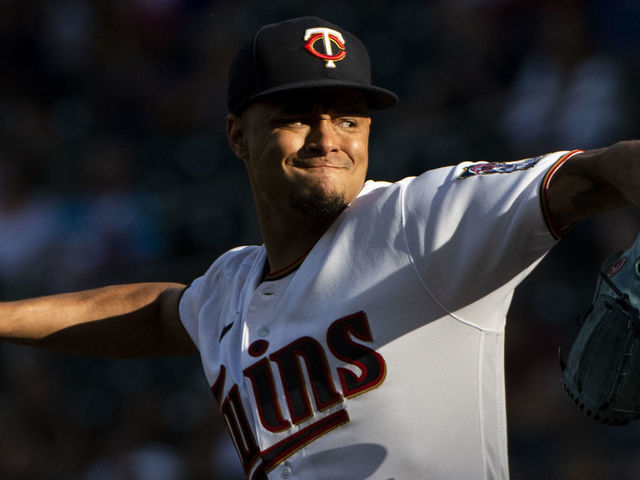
(317, 204)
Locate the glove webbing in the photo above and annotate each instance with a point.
(623, 300)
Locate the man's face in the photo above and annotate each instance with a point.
(307, 154)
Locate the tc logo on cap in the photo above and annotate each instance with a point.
(329, 37)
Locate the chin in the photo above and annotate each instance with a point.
(317, 203)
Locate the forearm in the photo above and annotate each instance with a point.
(594, 182)
(117, 321)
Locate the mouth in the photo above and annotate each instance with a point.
(320, 163)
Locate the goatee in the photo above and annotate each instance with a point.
(317, 204)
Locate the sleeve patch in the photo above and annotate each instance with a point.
(487, 168)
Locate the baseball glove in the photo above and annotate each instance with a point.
(602, 374)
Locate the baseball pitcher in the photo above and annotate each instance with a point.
(364, 338)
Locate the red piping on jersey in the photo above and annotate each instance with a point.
(283, 272)
(282, 450)
(544, 200)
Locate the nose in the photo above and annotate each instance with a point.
(322, 138)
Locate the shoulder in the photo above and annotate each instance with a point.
(234, 262)
(377, 189)
(223, 281)
(230, 268)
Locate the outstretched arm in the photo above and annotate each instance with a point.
(594, 182)
(123, 321)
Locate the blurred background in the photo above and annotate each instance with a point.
(114, 168)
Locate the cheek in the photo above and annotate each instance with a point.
(286, 143)
(269, 152)
(269, 157)
(359, 152)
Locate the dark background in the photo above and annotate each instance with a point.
(114, 168)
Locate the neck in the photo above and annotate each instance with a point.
(288, 240)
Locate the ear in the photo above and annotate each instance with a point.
(235, 136)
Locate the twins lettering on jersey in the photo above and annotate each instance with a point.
(306, 395)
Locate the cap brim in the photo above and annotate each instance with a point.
(377, 98)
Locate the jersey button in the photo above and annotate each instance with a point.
(286, 471)
(263, 331)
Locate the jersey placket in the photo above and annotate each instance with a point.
(260, 312)
(263, 336)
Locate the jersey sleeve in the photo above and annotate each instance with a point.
(474, 231)
(193, 301)
(207, 299)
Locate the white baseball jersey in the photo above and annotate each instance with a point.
(381, 356)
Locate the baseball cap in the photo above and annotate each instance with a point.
(300, 54)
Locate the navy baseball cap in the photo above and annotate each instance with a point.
(300, 54)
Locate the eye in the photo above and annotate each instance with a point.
(289, 122)
(347, 123)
